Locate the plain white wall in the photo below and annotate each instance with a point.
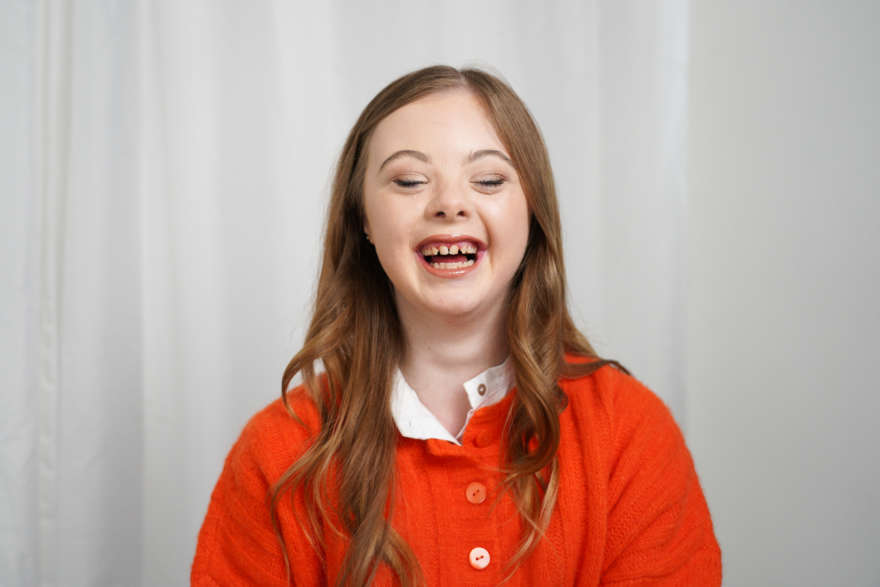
(782, 298)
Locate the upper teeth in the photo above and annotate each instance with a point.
(465, 249)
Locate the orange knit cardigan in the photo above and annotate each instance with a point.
(630, 509)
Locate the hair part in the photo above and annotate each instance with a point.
(355, 331)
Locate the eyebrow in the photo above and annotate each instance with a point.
(422, 157)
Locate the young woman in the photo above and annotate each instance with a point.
(464, 432)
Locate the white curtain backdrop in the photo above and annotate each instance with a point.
(166, 168)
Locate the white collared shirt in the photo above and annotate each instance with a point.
(415, 420)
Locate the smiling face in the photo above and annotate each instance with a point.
(444, 207)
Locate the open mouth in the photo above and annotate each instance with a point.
(450, 257)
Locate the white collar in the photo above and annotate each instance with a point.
(415, 420)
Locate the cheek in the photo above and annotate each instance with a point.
(523, 226)
(391, 227)
(514, 223)
(371, 215)
(515, 236)
(389, 230)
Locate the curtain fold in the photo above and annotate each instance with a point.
(168, 215)
(643, 89)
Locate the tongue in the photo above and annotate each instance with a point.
(448, 259)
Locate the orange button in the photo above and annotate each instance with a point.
(475, 492)
(479, 558)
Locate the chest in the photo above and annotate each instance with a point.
(452, 509)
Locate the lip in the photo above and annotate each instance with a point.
(450, 239)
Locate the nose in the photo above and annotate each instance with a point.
(448, 203)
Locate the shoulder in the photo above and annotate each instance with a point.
(274, 418)
(614, 395)
(659, 528)
(237, 542)
(616, 413)
(274, 437)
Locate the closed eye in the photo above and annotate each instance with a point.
(490, 185)
(408, 183)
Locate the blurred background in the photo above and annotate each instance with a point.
(165, 169)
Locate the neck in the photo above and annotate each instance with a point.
(442, 352)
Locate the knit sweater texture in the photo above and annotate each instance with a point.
(630, 510)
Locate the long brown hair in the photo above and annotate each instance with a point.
(355, 331)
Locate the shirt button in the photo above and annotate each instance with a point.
(481, 389)
(475, 493)
(479, 558)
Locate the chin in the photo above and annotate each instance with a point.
(453, 310)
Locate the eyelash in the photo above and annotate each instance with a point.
(489, 183)
(408, 184)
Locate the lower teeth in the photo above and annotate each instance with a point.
(456, 265)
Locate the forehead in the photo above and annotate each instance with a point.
(447, 122)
